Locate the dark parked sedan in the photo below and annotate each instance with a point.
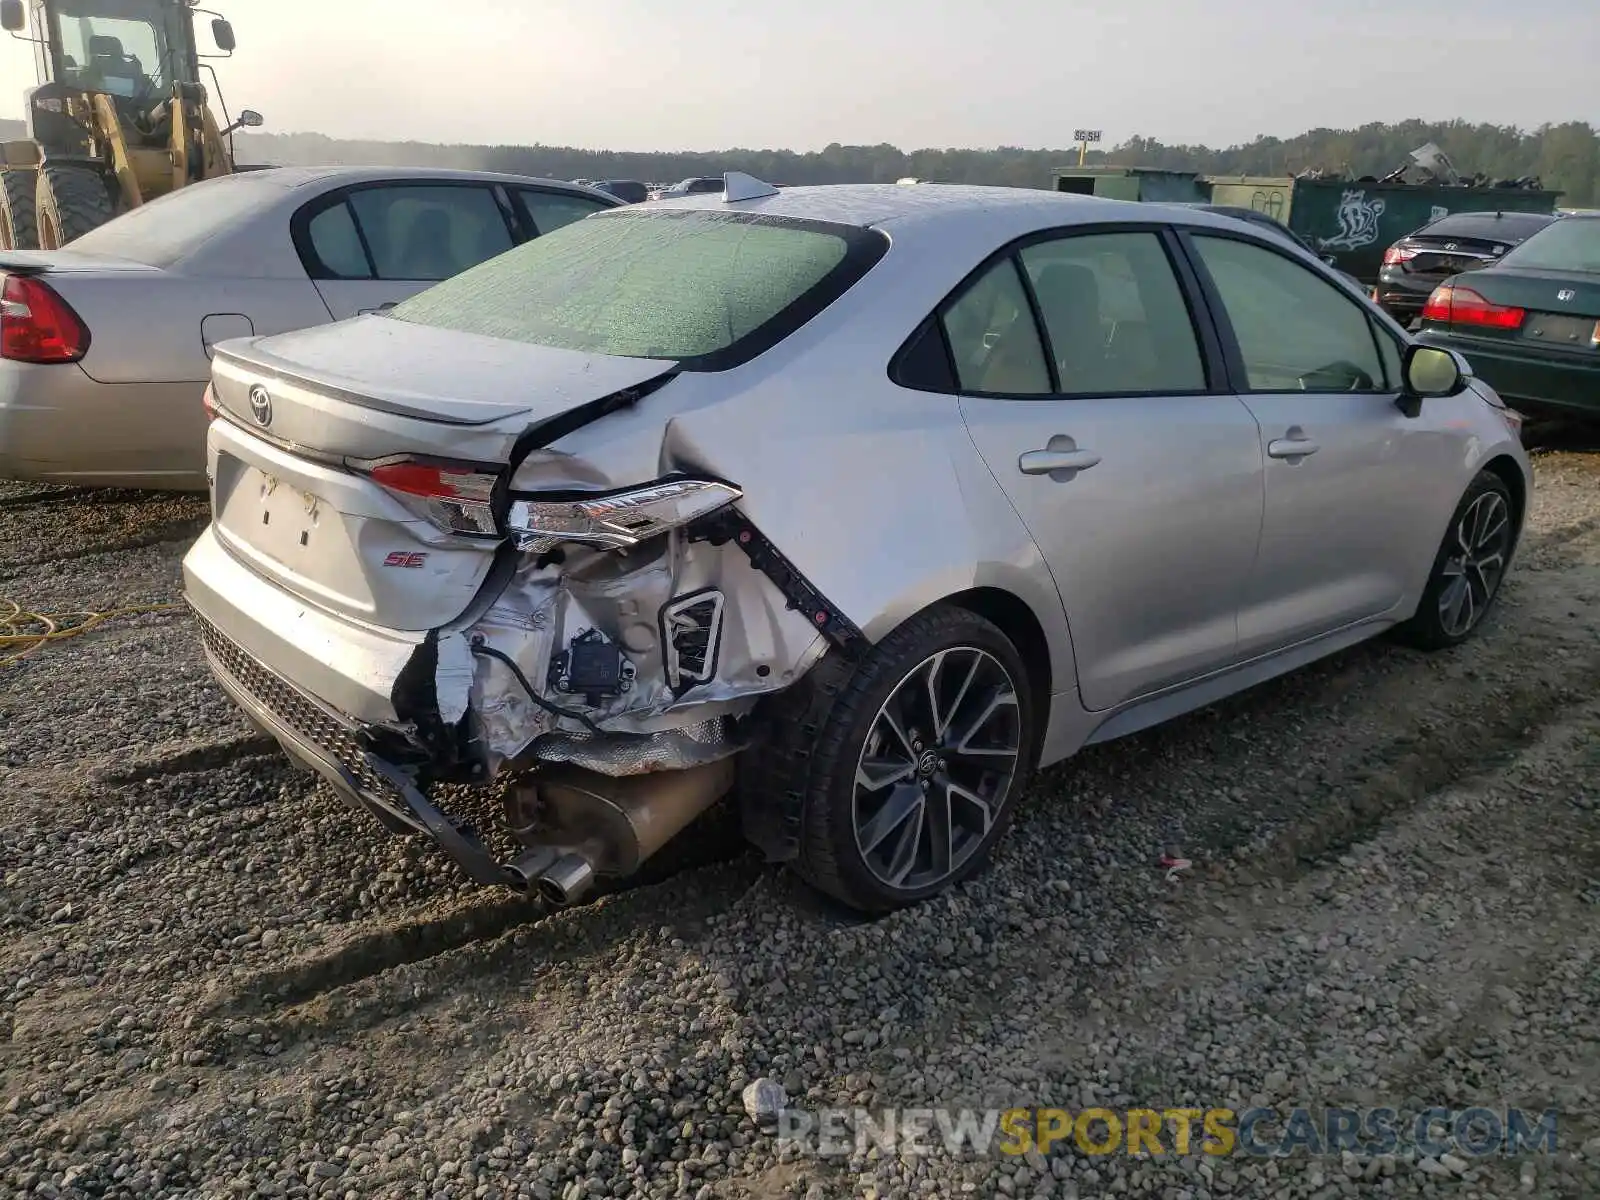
(629, 191)
(1530, 324)
(1452, 245)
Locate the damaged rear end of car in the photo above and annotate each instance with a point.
(409, 583)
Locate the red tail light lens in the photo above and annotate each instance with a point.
(1463, 306)
(1438, 306)
(37, 325)
(209, 402)
(457, 499)
(1399, 254)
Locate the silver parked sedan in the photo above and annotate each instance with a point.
(867, 500)
(105, 345)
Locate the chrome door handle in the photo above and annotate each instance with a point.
(1292, 447)
(1044, 462)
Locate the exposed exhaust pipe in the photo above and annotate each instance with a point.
(568, 878)
(590, 825)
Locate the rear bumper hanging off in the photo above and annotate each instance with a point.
(339, 750)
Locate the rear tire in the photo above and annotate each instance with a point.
(944, 784)
(18, 230)
(70, 202)
(1469, 569)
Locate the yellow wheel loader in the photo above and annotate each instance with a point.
(119, 117)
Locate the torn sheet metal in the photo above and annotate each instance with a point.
(764, 646)
(453, 676)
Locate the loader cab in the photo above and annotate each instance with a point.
(120, 115)
(134, 49)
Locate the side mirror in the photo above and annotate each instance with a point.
(222, 34)
(12, 18)
(251, 119)
(1429, 373)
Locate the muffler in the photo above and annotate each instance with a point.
(587, 825)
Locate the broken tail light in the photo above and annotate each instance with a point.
(457, 499)
(614, 520)
(37, 325)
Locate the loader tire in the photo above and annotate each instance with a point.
(70, 202)
(17, 228)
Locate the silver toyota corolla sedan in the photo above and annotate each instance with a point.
(105, 345)
(863, 502)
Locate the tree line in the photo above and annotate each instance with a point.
(1564, 157)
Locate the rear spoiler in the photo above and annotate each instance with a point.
(21, 264)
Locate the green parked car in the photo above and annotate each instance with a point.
(1530, 324)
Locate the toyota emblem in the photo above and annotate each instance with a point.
(261, 405)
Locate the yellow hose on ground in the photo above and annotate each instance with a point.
(32, 630)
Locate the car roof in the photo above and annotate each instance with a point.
(336, 176)
(959, 221)
(1239, 211)
(905, 208)
(252, 241)
(1512, 217)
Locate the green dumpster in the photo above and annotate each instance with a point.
(1355, 222)
(1149, 184)
(1265, 194)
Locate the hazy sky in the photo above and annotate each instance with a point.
(713, 74)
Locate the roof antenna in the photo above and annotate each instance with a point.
(736, 186)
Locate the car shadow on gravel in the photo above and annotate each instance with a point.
(212, 970)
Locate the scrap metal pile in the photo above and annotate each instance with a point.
(1427, 164)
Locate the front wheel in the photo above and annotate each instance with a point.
(70, 202)
(1469, 568)
(16, 210)
(912, 774)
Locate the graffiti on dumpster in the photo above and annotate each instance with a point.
(1358, 221)
(1269, 202)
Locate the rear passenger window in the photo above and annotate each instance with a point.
(993, 339)
(1114, 315)
(337, 245)
(430, 232)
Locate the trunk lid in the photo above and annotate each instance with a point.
(1561, 308)
(1440, 256)
(67, 262)
(439, 376)
(293, 495)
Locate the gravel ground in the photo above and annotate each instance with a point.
(216, 980)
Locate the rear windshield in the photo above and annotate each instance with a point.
(1507, 227)
(1570, 244)
(708, 289)
(174, 226)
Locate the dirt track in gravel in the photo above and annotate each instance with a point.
(215, 979)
